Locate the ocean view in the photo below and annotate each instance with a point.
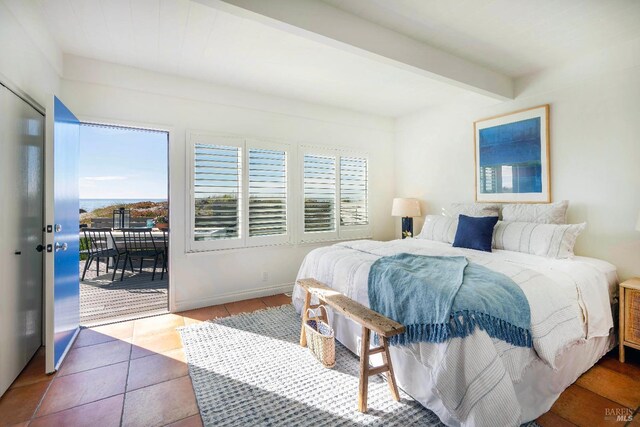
(91, 204)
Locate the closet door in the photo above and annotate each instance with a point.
(21, 222)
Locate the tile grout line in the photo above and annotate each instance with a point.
(35, 411)
(97, 367)
(126, 319)
(159, 382)
(117, 394)
(126, 381)
(182, 419)
(57, 376)
(77, 406)
(72, 407)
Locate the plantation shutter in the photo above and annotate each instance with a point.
(217, 192)
(267, 192)
(319, 193)
(353, 192)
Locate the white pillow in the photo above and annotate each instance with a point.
(472, 209)
(549, 240)
(549, 213)
(439, 228)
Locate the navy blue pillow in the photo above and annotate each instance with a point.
(475, 232)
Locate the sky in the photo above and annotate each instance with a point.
(119, 163)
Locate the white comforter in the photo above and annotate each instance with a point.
(473, 377)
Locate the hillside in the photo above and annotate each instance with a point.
(138, 210)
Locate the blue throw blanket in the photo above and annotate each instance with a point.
(437, 298)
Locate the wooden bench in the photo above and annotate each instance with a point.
(369, 320)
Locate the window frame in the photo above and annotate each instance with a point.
(278, 146)
(245, 144)
(355, 231)
(342, 232)
(207, 245)
(317, 236)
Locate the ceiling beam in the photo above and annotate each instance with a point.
(322, 22)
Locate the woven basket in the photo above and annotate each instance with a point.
(321, 340)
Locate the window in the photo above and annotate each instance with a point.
(239, 193)
(217, 185)
(353, 192)
(325, 175)
(268, 197)
(319, 193)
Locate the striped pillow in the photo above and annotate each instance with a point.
(439, 228)
(472, 209)
(549, 240)
(547, 213)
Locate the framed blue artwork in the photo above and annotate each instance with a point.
(512, 157)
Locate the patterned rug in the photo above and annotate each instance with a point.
(249, 370)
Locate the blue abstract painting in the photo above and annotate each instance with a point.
(510, 157)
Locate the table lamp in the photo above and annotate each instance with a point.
(407, 209)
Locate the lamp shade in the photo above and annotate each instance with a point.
(638, 223)
(405, 207)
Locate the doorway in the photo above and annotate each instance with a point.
(124, 223)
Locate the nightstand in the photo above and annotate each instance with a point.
(629, 328)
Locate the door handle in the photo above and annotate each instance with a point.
(39, 248)
(60, 246)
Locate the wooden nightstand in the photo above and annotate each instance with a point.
(629, 329)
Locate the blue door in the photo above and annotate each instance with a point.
(63, 285)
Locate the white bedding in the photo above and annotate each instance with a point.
(471, 381)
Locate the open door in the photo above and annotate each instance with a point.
(62, 283)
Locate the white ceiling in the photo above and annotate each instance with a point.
(515, 37)
(191, 40)
(188, 39)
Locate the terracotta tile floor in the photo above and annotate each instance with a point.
(125, 374)
(134, 374)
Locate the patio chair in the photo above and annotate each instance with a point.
(139, 244)
(165, 252)
(101, 244)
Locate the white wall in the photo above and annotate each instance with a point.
(29, 59)
(595, 149)
(127, 95)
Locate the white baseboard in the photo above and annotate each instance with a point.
(232, 297)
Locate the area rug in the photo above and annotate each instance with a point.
(249, 370)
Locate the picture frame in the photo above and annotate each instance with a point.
(511, 157)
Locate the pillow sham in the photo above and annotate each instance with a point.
(475, 232)
(549, 213)
(548, 240)
(472, 209)
(439, 228)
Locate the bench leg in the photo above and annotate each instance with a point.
(363, 387)
(303, 332)
(391, 379)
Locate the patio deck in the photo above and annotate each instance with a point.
(103, 301)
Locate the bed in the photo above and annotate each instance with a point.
(478, 380)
